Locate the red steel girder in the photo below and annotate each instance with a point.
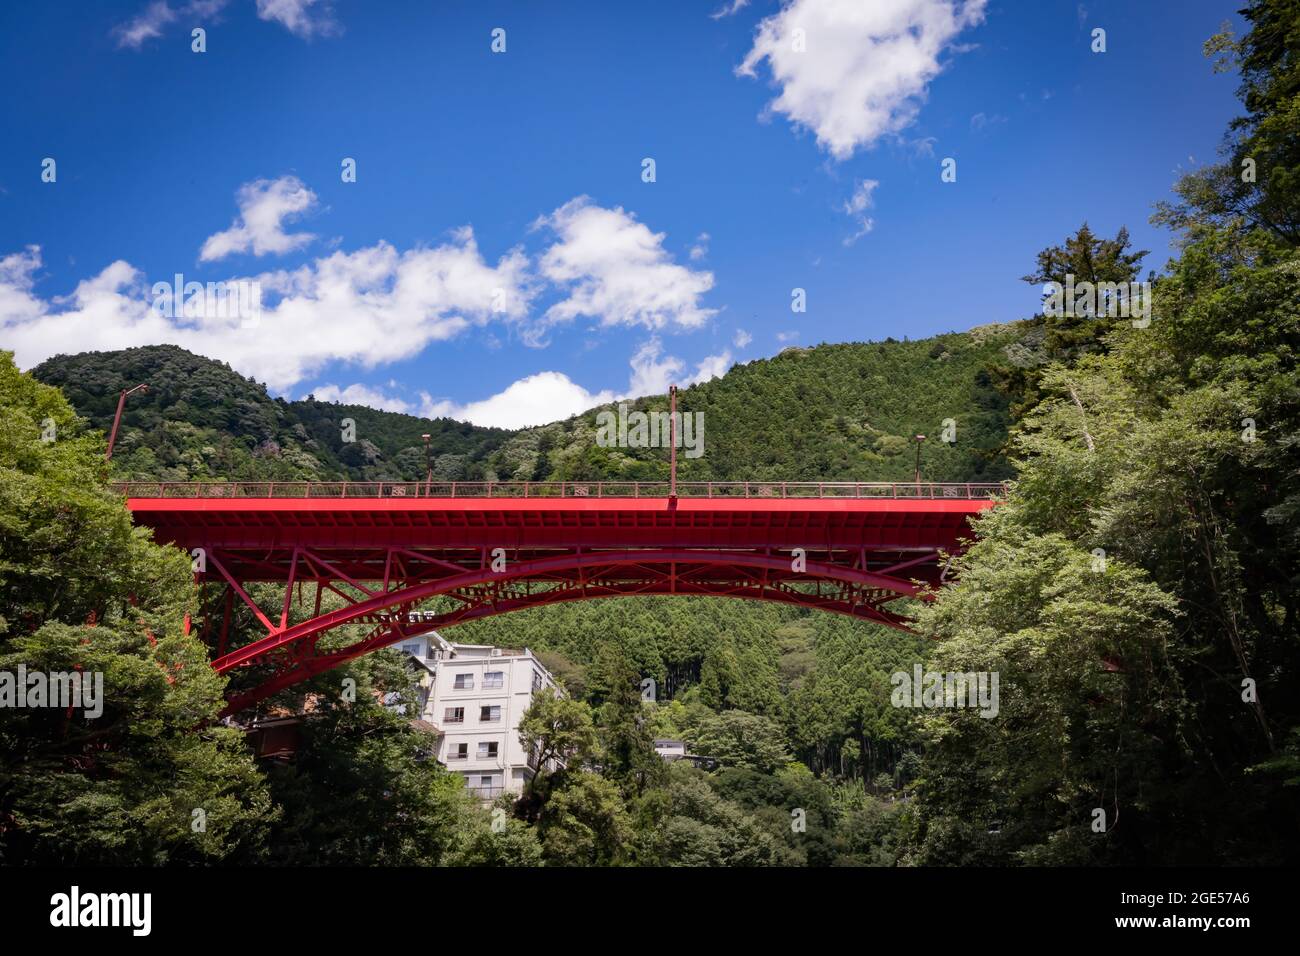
(860, 554)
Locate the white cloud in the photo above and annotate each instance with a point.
(982, 121)
(712, 366)
(264, 206)
(302, 18)
(149, 22)
(369, 307)
(857, 206)
(922, 147)
(741, 339)
(145, 25)
(364, 395)
(616, 270)
(652, 375)
(544, 397)
(864, 68)
(735, 7)
(701, 247)
(535, 400)
(378, 305)
(652, 372)
(16, 298)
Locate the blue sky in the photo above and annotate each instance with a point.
(499, 256)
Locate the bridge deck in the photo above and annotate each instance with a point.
(560, 489)
(539, 523)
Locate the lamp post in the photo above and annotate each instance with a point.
(428, 466)
(672, 442)
(918, 439)
(117, 419)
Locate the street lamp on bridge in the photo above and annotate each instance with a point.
(918, 439)
(428, 465)
(117, 419)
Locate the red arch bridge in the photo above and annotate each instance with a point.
(386, 549)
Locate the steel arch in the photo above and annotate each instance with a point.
(860, 548)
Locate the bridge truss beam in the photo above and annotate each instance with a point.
(384, 568)
(389, 607)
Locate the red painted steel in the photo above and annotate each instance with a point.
(558, 489)
(382, 558)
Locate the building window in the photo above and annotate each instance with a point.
(458, 752)
(454, 715)
(484, 785)
(412, 649)
(486, 751)
(489, 714)
(537, 680)
(464, 682)
(494, 680)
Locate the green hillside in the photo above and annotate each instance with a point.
(199, 419)
(833, 412)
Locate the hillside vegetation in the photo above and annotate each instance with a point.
(834, 412)
(199, 419)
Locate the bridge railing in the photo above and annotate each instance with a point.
(559, 489)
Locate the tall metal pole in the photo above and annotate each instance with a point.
(117, 418)
(918, 439)
(672, 440)
(428, 466)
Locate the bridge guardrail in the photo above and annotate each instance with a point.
(558, 489)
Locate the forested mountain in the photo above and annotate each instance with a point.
(833, 412)
(200, 419)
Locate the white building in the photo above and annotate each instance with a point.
(670, 750)
(475, 695)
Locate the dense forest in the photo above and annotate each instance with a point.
(834, 412)
(1136, 593)
(200, 419)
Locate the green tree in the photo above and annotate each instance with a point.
(692, 825)
(1090, 710)
(739, 739)
(1067, 333)
(82, 591)
(1256, 187)
(627, 751)
(364, 789)
(557, 729)
(585, 823)
(485, 843)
